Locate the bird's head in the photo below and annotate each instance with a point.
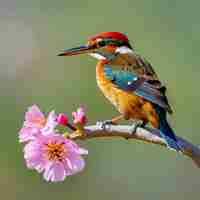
(102, 46)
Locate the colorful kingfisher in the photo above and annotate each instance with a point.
(129, 82)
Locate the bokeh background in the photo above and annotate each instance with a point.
(32, 33)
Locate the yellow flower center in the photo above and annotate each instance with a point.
(56, 152)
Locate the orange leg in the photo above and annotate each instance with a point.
(116, 120)
(113, 121)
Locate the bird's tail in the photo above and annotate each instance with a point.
(166, 131)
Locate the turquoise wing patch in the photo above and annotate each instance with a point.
(130, 82)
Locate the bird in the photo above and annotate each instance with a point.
(129, 82)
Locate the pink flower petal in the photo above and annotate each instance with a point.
(54, 172)
(34, 157)
(50, 124)
(33, 114)
(82, 151)
(68, 164)
(24, 134)
(77, 164)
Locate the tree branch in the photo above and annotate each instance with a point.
(146, 134)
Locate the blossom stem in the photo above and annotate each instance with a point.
(71, 127)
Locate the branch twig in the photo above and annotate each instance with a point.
(149, 135)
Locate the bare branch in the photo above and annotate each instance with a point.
(149, 135)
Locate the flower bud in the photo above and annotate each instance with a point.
(80, 116)
(62, 119)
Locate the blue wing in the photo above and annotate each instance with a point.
(131, 82)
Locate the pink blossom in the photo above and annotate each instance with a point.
(62, 119)
(54, 156)
(80, 116)
(36, 124)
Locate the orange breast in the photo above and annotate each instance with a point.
(127, 103)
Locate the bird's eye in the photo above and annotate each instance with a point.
(101, 43)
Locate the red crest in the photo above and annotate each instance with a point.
(112, 35)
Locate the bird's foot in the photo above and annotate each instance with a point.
(105, 123)
(137, 124)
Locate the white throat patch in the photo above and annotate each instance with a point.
(124, 50)
(97, 56)
(120, 50)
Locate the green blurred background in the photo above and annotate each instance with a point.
(32, 33)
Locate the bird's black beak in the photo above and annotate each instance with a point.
(78, 50)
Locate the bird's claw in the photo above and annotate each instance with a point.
(137, 124)
(105, 123)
